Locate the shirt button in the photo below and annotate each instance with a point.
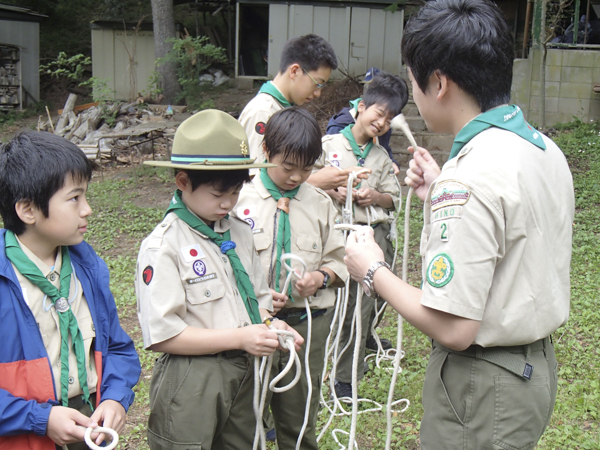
(207, 293)
(314, 246)
(93, 327)
(71, 380)
(246, 324)
(224, 259)
(163, 225)
(52, 276)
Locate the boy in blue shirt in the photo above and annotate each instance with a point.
(55, 289)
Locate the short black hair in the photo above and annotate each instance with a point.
(310, 51)
(468, 41)
(389, 91)
(222, 180)
(34, 166)
(294, 134)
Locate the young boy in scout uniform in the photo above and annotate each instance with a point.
(306, 65)
(372, 199)
(202, 295)
(53, 292)
(496, 242)
(288, 215)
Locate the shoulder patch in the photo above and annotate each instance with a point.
(448, 193)
(327, 137)
(147, 275)
(440, 270)
(260, 127)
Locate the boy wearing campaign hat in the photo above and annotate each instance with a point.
(202, 294)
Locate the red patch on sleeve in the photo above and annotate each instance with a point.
(147, 274)
(260, 128)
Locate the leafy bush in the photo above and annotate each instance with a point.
(193, 56)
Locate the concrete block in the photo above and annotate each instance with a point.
(553, 73)
(410, 109)
(595, 109)
(570, 107)
(243, 83)
(550, 106)
(552, 88)
(576, 74)
(576, 90)
(579, 58)
(554, 57)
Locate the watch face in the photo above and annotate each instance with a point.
(367, 289)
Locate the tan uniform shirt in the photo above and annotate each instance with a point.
(254, 118)
(337, 150)
(47, 318)
(496, 242)
(312, 217)
(183, 279)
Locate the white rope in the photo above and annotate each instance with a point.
(88, 438)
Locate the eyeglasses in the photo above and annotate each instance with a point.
(319, 85)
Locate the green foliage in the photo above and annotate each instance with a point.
(153, 89)
(193, 56)
(72, 68)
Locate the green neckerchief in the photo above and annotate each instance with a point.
(361, 155)
(271, 89)
(227, 247)
(67, 320)
(354, 104)
(284, 230)
(509, 117)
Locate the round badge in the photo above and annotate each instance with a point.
(361, 162)
(440, 270)
(260, 128)
(250, 222)
(335, 163)
(147, 275)
(62, 305)
(199, 267)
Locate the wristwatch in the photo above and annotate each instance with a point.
(325, 279)
(368, 279)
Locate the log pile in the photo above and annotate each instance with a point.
(116, 130)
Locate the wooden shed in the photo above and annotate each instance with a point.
(19, 56)
(363, 34)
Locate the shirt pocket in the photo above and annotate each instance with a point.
(310, 249)
(87, 328)
(262, 241)
(199, 292)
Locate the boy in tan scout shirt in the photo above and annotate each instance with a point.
(305, 228)
(372, 199)
(496, 240)
(202, 295)
(306, 65)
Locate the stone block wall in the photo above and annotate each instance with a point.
(569, 88)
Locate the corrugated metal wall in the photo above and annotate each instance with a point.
(26, 35)
(111, 51)
(361, 37)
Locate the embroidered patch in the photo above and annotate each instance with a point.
(450, 212)
(257, 230)
(246, 213)
(210, 276)
(192, 252)
(260, 128)
(440, 270)
(199, 267)
(335, 156)
(147, 274)
(449, 193)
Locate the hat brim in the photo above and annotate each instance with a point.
(208, 166)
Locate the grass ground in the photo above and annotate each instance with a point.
(127, 207)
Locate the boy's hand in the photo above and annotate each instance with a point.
(258, 340)
(109, 414)
(396, 168)
(309, 283)
(332, 177)
(298, 340)
(278, 301)
(339, 194)
(65, 425)
(421, 172)
(366, 196)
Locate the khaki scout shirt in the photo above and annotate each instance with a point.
(312, 217)
(337, 150)
(47, 319)
(496, 242)
(254, 118)
(183, 279)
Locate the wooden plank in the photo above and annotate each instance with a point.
(81, 107)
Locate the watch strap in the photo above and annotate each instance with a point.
(325, 279)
